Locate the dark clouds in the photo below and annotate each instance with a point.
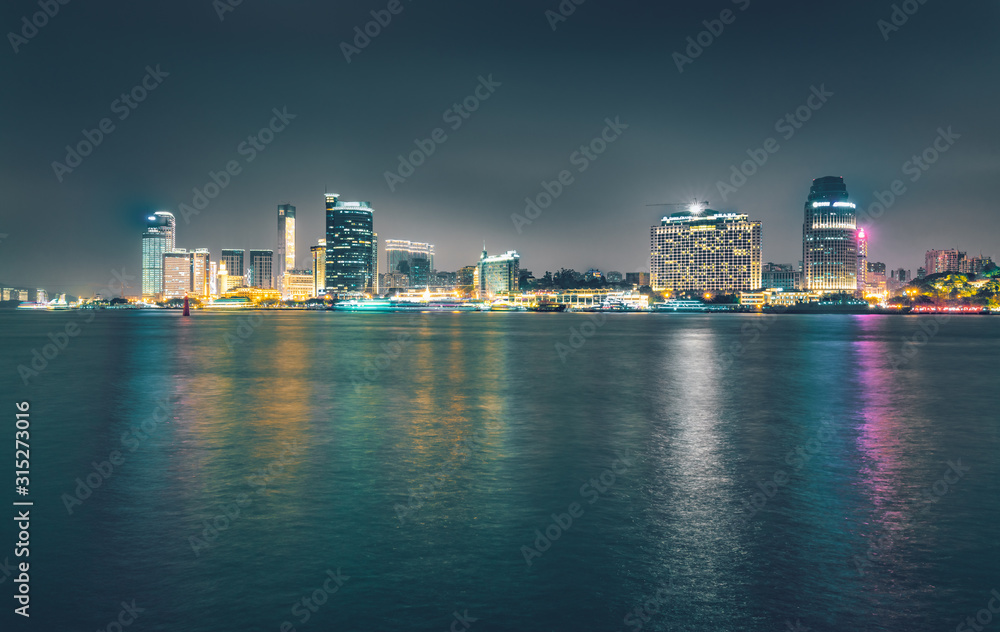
(353, 119)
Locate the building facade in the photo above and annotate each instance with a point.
(233, 258)
(261, 262)
(285, 259)
(705, 251)
(351, 247)
(318, 253)
(158, 239)
(780, 276)
(942, 261)
(830, 238)
(862, 261)
(177, 274)
(498, 275)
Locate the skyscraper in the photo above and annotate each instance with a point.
(201, 273)
(830, 238)
(260, 269)
(705, 250)
(156, 241)
(498, 274)
(233, 258)
(862, 261)
(939, 261)
(286, 243)
(319, 267)
(350, 244)
(177, 273)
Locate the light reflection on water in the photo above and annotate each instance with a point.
(322, 454)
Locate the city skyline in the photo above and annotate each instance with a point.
(673, 149)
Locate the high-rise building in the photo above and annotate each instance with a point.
(177, 273)
(498, 274)
(233, 258)
(941, 261)
(862, 261)
(156, 241)
(260, 269)
(224, 282)
(201, 273)
(350, 247)
(420, 273)
(707, 250)
(286, 244)
(975, 265)
(213, 278)
(398, 250)
(830, 238)
(464, 277)
(318, 253)
(374, 264)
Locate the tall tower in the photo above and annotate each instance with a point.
(157, 240)
(830, 238)
(286, 243)
(233, 258)
(350, 240)
(862, 261)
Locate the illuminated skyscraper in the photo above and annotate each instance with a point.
(350, 247)
(286, 243)
(705, 250)
(319, 267)
(177, 273)
(156, 241)
(201, 273)
(498, 274)
(233, 258)
(939, 261)
(830, 238)
(260, 269)
(862, 261)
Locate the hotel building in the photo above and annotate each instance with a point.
(707, 250)
(497, 275)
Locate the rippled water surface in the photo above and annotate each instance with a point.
(694, 472)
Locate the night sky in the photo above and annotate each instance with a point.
(605, 60)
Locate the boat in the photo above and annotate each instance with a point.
(394, 305)
(30, 305)
(502, 306)
(546, 306)
(680, 305)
